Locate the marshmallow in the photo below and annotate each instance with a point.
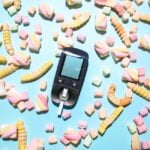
(87, 141)
(69, 32)
(98, 93)
(133, 56)
(18, 19)
(136, 16)
(83, 133)
(119, 9)
(141, 71)
(110, 40)
(21, 106)
(139, 121)
(145, 42)
(93, 133)
(141, 79)
(145, 145)
(106, 71)
(49, 128)
(89, 110)
(25, 20)
(125, 17)
(43, 85)
(132, 127)
(97, 104)
(36, 144)
(96, 81)
(82, 124)
(59, 17)
(133, 37)
(23, 34)
(29, 105)
(106, 10)
(134, 28)
(143, 112)
(81, 38)
(64, 141)
(31, 11)
(142, 129)
(12, 10)
(102, 113)
(14, 27)
(52, 139)
(23, 44)
(38, 29)
(66, 115)
(125, 62)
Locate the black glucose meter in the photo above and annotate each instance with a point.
(69, 78)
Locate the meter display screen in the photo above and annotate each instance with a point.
(72, 67)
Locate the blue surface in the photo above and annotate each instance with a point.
(117, 136)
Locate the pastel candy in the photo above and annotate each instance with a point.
(59, 17)
(29, 105)
(64, 141)
(125, 17)
(143, 112)
(142, 129)
(106, 71)
(141, 71)
(132, 127)
(141, 79)
(148, 107)
(147, 82)
(107, 10)
(98, 93)
(31, 11)
(87, 141)
(133, 56)
(82, 124)
(145, 42)
(83, 133)
(96, 81)
(139, 121)
(93, 133)
(110, 40)
(46, 11)
(125, 62)
(97, 104)
(34, 43)
(69, 32)
(145, 145)
(49, 127)
(119, 9)
(52, 139)
(136, 16)
(102, 113)
(36, 144)
(12, 10)
(23, 34)
(139, 2)
(25, 20)
(23, 44)
(7, 3)
(43, 85)
(68, 148)
(81, 37)
(89, 110)
(8, 86)
(2, 89)
(38, 29)
(18, 19)
(14, 27)
(73, 2)
(135, 142)
(66, 115)
(55, 36)
(128, 92)
(133, 37)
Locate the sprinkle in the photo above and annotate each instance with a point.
(142, 129)
(81, 38)
(102, 113)
(23, 34)
(59, 17)
(69, 32)
(93, 133)
(12, 10)
(97, 104)
(145, 145)
(82, 124)
(43, 85)
(138, 120)
(66, 115)
(133, 37)
(132, 127)
(21, 106)
(31, 11)
(38, 29)
(52, 139)
(29, 105)
(83, 133)
(23, 44)
(107, 10)
(14, 27)
(106, 71)
(125, 62)
(96, 81)
(110, 40)
(98, 94)
(87, 141)
(143, 112)
(141, 71)
(25, 20)
(89, 110)
(133, 56)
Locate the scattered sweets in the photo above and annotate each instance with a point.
(49, 128)
(82, 124)
(87, 141)
(59, 17)
(38, 29)
(43, 85)
(142, 129)
(81, 37)
(96, 81)
(107, 10)
(52, 139)
(98, 94)
(97, 104)
(66, 115)
(102, 113)
(25, 20)
(125, 62)
(145, 145)
(23, 34)
(132, 127)
(89, 110)
(93, 133)
(144, 42)
(110, 40)
(31, 11)
(14, 28)
(139, 121)
(106, 71)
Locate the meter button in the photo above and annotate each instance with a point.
(60, 80)
(74, 84)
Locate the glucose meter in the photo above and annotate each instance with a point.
(69, 78)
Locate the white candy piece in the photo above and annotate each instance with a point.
(102, 113)
(96, 81)
(43, 85)
(87, 141)
(106, 71)
(125, 62)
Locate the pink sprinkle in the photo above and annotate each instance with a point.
(133, 56)
(66, 115)
(64, 141)
(25, 20)
(83, 133)
(38, 29)
(97, 104)
(18, 19)
(81, 37)
(29, 105)
(133, 37)
(145, 145)
(143, 112)
(138, 120)
(110, 40)
(82, 124)
(141, 71)
(49, 128)
(23, 34)
(59, 17)
(142, 129)
(142, 79)
(69, 32)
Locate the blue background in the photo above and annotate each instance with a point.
(117, 136)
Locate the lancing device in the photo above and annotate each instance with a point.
(69, 78)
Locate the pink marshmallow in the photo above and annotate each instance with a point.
(52, 139)
(23, 34)
(38, 29)
(98, 94)
(25, 20)
(145, 145)
(23, 44)
(142, 129)
(59, 17)
(139, 120)
(119, 9)
(81, 37)
(142, 79)
(133, 56)
(110, 40)
(75, 136)
(143, 112)
(97, 104)
(18, 19)
(148, 107)
(69, 32)
(49, 128)
(29, 105)
(21, 106)
(141, 71)
(31, 11)
(133, 29)
(66, 115)
(93, 133)
(82, 124)
(64, 141)
(83, 133)
(133, 37)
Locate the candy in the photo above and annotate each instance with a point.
(21, 106)
(117, 101)
(102, 49)
(145, 145)
(12, 10)
(110, 40)
(49, 128)
(2, 89)
(52, 139)
(135, 142)
(147, 82)
(141, 91)
(98, 94)
(144, 42)
(17, 4)
(109, 120)
(43, 85)
(29, 77)
(7, 3)
(133, 56)
(77, 23)
(128, 92)
(97, 104)
(87, 141)
(73, 2)
(66, 115)
(134, 28)
(145, 18)
(36, 144)
(64, 141)
(41, 104)
(58, 53)
(139, 2)
(31, 11)
(81, 37)
(83, 133)
(29, 105)
(69, 32)
(125, 17)
(2, 60)
(119, 9)
(23, 44)
(107, 10)
(132, 127)
(142, 129)
(139, 121)
(93, 133)
(18, 19)
(68, 148)
(120, 30)
(89, 110)
(46, 11)
(22, 135)
(55, 36)
(96, 81)
(34, 43)
(136, 16)
(25, 20)
(38, 29)
(141, 79)
(106, 71)
(109, 3)
(102, 113)
(59, 17)
(125, 62)
(7, 39)
(23, 34)
(143, 112)
(141, 71)
(101, 22)
(14, 28)
(133, 37)
(82, 124)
